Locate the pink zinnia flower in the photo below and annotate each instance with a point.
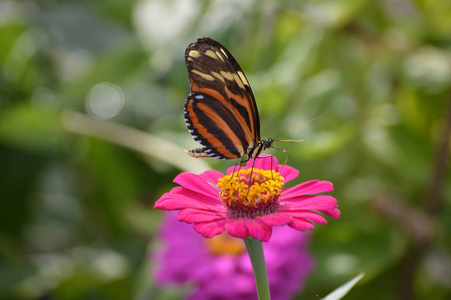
(248, 205)
(219, 268)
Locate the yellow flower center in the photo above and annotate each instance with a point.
(249, 195)
(224, 244)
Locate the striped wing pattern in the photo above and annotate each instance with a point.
(220, 111)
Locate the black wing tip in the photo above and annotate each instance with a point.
(207, 43)
(198, 44)
(207, 40)
(203, 152)
(204, 41)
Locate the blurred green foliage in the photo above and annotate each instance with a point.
(79, 174)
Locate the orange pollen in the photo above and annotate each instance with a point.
(251, 192)
(225, 244)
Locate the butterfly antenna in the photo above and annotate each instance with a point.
(323, 114)
(297, 141)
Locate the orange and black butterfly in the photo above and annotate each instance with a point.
(220, 111)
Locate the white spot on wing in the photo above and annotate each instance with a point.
(243, 78)
(194, 53)
(211, 54)
(203, 75)
(219, 55)
(225, 54)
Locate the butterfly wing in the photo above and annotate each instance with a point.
(220, 111)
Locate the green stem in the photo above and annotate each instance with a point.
(255, 251)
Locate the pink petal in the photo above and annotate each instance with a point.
(265, 162)
(301, 224)
(277, 219)
(209, 229)
(309, 215)
(288, 173)
(196, 216)
(258, 229)
(262, 162)
(234, 169)
(180, 198)
(335, 213)
(322, 202)
(244, 228)
(237, 228)
(270, 163)
(211, 176)
(196, 183)
(308, 187)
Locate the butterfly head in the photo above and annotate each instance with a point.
(267, 143)
(260, 147)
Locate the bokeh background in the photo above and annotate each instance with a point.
(92, 134)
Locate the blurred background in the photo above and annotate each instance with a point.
(92, 134)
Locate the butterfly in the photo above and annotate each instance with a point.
(220, 112)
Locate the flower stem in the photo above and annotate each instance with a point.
(255, 251)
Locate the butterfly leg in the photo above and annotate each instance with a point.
(263, 156)
(288, 156)
(238, 165)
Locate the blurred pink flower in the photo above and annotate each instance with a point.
(219, 268)
(248, 205)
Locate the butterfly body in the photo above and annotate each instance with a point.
(252, 152)
(220, 112)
